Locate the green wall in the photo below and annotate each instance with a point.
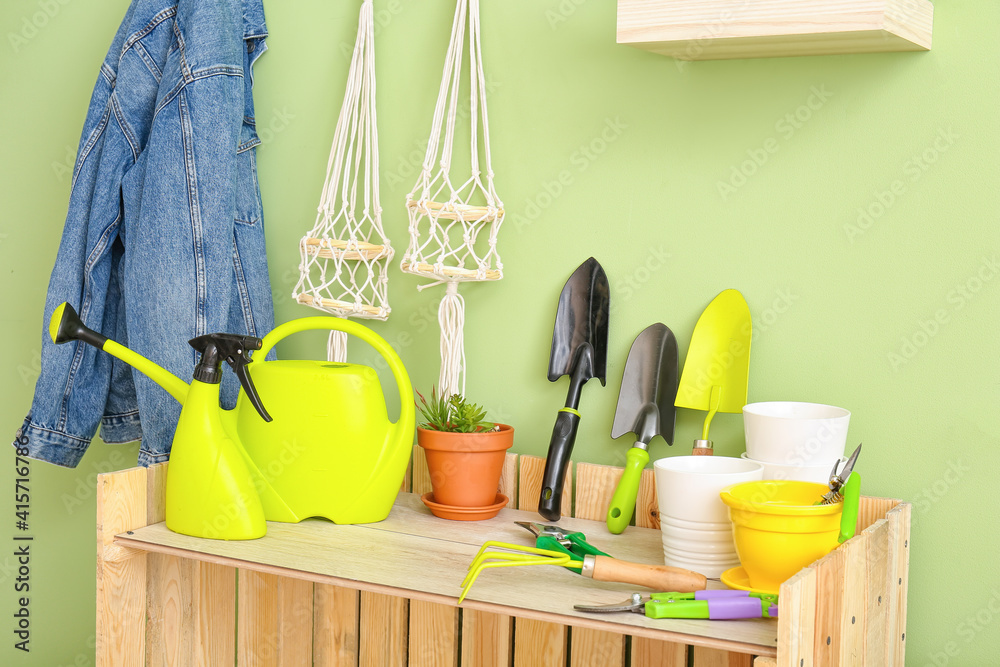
(892, 316)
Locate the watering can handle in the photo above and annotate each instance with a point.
(406, 407)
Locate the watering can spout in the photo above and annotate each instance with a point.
(66, 325)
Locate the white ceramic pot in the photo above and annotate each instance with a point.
(687, 487)
(819, 473)
(795, 434)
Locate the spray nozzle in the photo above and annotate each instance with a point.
(234, 350)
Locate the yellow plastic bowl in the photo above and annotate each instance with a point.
(778, 530)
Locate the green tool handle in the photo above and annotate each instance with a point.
(406, 407)
(577, 551)
(849, 513)
(622, 504)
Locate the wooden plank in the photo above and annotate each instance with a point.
(508, 479)
(765, 662)
(899, 566)
(713, 29)
(797, 619)
(708, 657)
(486, 639)
(383, 630)
(658, 653)
(595, 485)
(295, 622)
(871, 510)
(257, 619)
(121, 572)
(539, 642)
(335, 626)
(829, 608)
(530, 485)
(653, 652)
(876, 625)
(433, 634)
(215, 611)
(855, 601)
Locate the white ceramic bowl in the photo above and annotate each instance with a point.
(687, 487)
(708, 569)
(670, 533)
(699, 547)
(727, 553)
(819, 472)
(694, 525)
(791, 433)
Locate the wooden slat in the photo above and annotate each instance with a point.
(594, 487)
(295, 622)
(871, 510)
(855, 605)
(508, 479)
(433, 635)
(383, 630)
(257, 619)
(191, 606)
(829, 608)
(486, 639)
(797, 619)
(878, 585)
(539, 642)
(765, 662)
(708, 657)
(121, 572)
(899, 565)
(335, 626)
(653, 652)
(530, 485)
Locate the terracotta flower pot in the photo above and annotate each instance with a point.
(465, 467)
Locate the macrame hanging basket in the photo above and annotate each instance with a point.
(453, 226)
(345, 256)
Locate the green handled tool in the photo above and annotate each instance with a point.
(646, 408)
(716, 605)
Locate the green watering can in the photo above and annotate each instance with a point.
(323, 447)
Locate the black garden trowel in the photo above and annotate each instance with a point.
(646, 408)
(579, 350)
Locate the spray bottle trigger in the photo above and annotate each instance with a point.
(235, 350)
(239, 364)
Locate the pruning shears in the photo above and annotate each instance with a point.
(715, 605)
(554, 538)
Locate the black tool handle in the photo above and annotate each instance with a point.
(560, 449)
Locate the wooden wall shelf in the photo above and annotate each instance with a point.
(724, 29)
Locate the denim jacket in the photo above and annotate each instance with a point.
(163, 239)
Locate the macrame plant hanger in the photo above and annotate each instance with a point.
(346, 254)
(451, 248)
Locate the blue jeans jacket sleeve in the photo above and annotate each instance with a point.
(164, 236)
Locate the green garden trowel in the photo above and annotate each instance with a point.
(646, 408)
(717, 367)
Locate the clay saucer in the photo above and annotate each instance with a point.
(456, 513)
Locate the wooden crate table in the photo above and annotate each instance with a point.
(316, 593)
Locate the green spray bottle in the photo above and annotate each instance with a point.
(210, 489)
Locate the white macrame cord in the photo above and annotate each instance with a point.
(345, 256)
(462, 220)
